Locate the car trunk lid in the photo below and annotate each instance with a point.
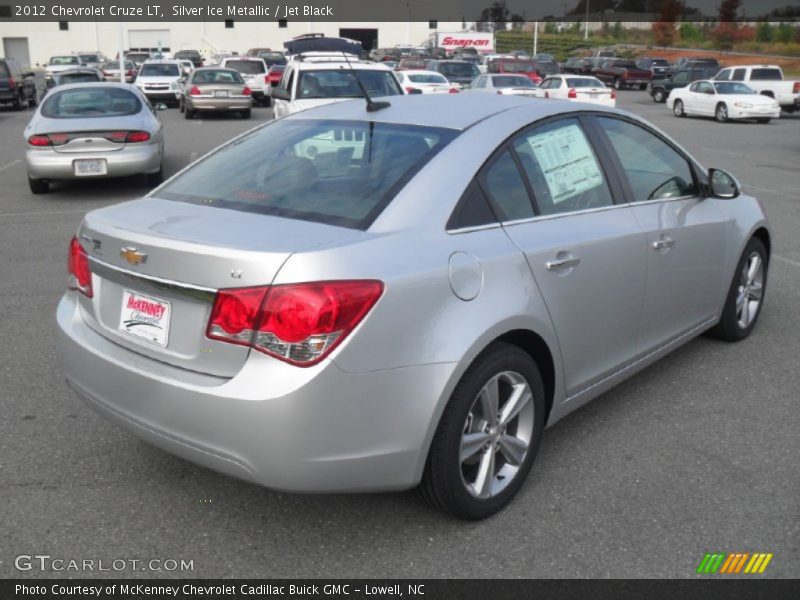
(156, 266)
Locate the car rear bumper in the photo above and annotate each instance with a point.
(749, 113)
(218, 104)
(319, 429)
(161, 95)
(131, 160)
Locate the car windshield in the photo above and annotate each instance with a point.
(578, 82)
(250, 67)
(518, 67)
(91, 102)
(217, 76)
(733, 87)
(427, 78)
(459, 69)
(342, 84)
(65, 60)
(505, 81)
(336, 172)
(77, 78)
(160, 70)
(766, 75)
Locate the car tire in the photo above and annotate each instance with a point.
(677, 109)
(18, 103)
(188, 114)
(745, 295)
(267, 101)
(642, 86)
(155, 179)
(447, 482)
(721, 112)
(659, 96)
(38, 186)
(764, 120)
(181, 106)
(34, 100)
(245, 114)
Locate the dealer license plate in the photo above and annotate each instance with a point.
(221, 93)
(145, 317)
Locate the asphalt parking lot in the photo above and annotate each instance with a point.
(698, 453)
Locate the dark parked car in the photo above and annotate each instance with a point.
(192, 55)
(80, 75)
(514, 66)
(659, 66)
(17, 84)
(660, 90)
(691, 62)
(270, 57)
(456, 71)
(622, 72)
(574, 64)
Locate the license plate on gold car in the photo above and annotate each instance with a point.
(89, 167)
(145, 317)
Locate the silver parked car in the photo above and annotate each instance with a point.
(89, 130)
(352, 300)
(214, 89)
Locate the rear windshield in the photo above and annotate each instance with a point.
(584, 83)
(518, 67)
(343, 84)
(91, 102)
(160, 70)
(64, 60)
(272, 57)
(427, 78)
(504, 81)
(458, 69)
(766, 75)
(188, 54)
(733, 87)
(78, 78)
(335, 172)
(217, 76)
(251, 67)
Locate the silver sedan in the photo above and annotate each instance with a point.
(358, 300)
(93, 130)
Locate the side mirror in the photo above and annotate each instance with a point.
(160, 106)
(280, 93)
(722, 184)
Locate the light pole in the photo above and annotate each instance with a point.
(121, 53)
(586, 26)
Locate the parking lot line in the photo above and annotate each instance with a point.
(787, 260)
(739, 155)
(11, 164)
(763, 189)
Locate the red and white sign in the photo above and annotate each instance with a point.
(482, 42)
(145, 317)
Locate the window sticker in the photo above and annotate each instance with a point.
(567, 162)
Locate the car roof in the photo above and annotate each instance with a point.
(334, 64)
(452, 111)
(161, 61)
(97, 84)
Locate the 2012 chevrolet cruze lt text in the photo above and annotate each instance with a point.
(351, 300)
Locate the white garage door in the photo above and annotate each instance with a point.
(148, 39)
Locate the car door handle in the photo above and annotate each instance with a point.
(562, 263)
(663, 243)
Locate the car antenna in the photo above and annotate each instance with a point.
(372, 106)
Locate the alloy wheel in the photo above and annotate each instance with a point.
(751, 290)
(496, 435)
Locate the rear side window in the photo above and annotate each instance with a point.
(738, 74)
(562, 168)
(335, 172)
(766, 75)
(506, 188)
(473, 210)
(654, 169)
(91, 102)
(249, 67)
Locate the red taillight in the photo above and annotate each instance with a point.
(195, 91)
(298, 323)
(796, 87)
(453, 90)
(572, 93)
(410, 89)
(12, 83)
(80, 276)
(39, 140)
(613, 94)
(117, 136)
(247, 91)
(137, 136)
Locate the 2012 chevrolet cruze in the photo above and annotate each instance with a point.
(353, 300)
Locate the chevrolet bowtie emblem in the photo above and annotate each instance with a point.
(133, 256)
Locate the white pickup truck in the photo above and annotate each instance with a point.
(767, 80)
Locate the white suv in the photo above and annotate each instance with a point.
(254, 72)
(158, 80)
(317, 78)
